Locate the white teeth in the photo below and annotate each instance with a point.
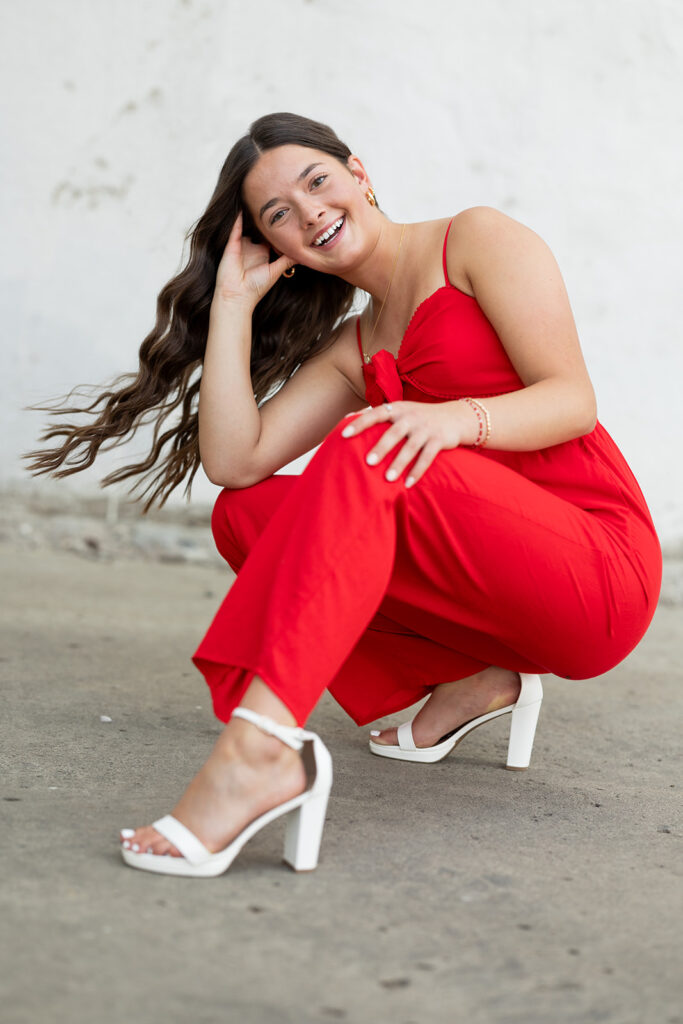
(330, 231)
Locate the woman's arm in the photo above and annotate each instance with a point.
(229, 418)
(518, 285)
(241, 443)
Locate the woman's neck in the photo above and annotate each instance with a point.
(382, 267)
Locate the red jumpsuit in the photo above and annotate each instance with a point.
(536, 561)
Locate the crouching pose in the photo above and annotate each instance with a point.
(465, 525)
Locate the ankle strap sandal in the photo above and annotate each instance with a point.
(523, 720)
(305, 815)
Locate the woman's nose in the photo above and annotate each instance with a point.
(311, 215)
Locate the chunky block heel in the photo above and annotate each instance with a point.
(304, 833)
(305, 824)
(306, 816)
(524, 716)
(522, 731)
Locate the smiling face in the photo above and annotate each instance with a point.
(312, 207)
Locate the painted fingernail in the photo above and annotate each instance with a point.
(135, 847)
(391, 474)
(347, 431)
(374, 732)
(372, 458)
(127, 833)
(410, 481)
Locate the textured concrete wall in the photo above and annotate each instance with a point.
(565, 115)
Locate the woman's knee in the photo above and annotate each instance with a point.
(356, 446)
(241, 513)
(457, 463)
(224, 534)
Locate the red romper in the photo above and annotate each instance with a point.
(535, 561)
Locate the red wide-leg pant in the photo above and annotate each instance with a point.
(379, 592)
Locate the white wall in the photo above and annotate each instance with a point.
(565, 115)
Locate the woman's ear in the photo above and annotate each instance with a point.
(355, 165)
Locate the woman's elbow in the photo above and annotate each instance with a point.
(219, 477)
(589, 418)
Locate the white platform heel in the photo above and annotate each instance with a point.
(304, 827)
(524, 717)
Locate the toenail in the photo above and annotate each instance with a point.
(127, 833)
(126, 843)
(135, 847)
(150, 850)
(374, 732)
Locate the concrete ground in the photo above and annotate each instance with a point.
(448, 892)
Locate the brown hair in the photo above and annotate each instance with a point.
(295, 320)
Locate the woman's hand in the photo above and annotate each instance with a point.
(245, 272)
(428, 427)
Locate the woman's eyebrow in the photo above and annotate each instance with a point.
(272, 202)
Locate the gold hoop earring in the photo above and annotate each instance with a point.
(370, 196)
(289, 273)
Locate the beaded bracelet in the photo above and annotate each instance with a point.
(476, 405)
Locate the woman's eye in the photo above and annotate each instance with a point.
(318, 180)
(277, 216)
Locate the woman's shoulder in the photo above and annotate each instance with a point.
(462, 235)
(481, 217)
(472, 218)
(479, 231)
(480, 225)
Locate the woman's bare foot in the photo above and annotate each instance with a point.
(247, 773)
(453, 704)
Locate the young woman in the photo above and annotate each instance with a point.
(470, 529)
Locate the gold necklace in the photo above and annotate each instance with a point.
(368, 358)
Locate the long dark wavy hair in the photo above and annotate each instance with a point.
(295, 320)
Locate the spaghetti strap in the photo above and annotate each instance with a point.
(445, 269)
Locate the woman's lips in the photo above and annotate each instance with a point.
(334, 240)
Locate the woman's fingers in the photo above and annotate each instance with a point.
(421, 440)
(240, 251)
(232, 253)
(423, 462)
(253, 254)
(244, 272)
(412, 443)
(366, 417)
(403, 428)
(235, 236)
(278, 266)
(418, 449)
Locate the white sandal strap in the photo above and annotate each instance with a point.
(405, 736)
(184, 841)
(293, 736)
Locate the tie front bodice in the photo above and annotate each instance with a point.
(449, 350)
(382, 380)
